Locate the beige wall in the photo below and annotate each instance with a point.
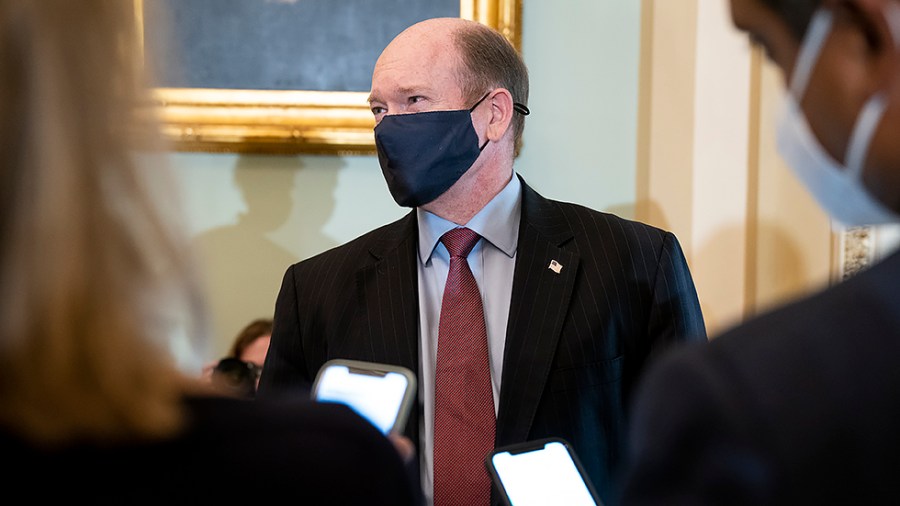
(708, 165)
(252, 216)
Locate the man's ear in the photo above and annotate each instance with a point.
(501, 110)
(878, 21)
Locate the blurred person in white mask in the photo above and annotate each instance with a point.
(800, 405)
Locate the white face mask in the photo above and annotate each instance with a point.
(838, 189)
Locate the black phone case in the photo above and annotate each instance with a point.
(357, 367)
(531, 446)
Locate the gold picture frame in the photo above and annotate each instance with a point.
(290, 122)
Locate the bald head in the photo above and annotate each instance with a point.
(435, 29)
(423, 59)
(456, 61)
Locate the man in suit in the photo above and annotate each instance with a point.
(576, 302)
(800, 405)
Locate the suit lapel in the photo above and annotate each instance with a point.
(540, 301)
(387, 287)
(389, 297)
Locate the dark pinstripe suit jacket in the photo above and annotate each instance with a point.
(576, 341)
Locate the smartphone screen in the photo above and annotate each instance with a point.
(380, 393)
(541, 473)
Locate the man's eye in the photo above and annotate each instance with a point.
(416, 99)
(377, 109)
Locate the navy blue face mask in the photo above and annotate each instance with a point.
(423, 154)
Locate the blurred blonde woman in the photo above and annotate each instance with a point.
(97, 289)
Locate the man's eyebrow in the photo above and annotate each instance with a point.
(409, 90)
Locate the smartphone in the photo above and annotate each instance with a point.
(381, 393)
(541, 473)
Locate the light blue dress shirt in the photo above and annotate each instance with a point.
(492, 262)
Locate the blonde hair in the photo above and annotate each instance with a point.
(88, 264)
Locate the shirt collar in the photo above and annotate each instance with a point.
(498, 222)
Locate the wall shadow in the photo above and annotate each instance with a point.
(243, 265)
(774, 272)
(645, 211)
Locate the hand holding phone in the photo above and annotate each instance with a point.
(381, 393)
(541, 473)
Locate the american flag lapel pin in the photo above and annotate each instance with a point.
(555, 266)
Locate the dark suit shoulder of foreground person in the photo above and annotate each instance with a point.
(800, 406)
(232, 450)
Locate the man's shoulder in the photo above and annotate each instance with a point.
(382, 238)
(829, 312)
(780, 386)
(537, 204)
(823, 332)
(607, 224)
(779, 334)
(812, 358)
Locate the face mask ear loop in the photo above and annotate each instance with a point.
(873, 110)
(892, 16)
(472, 109)
(863, 131)
(816, 34)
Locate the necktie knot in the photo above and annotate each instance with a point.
(460, 241)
